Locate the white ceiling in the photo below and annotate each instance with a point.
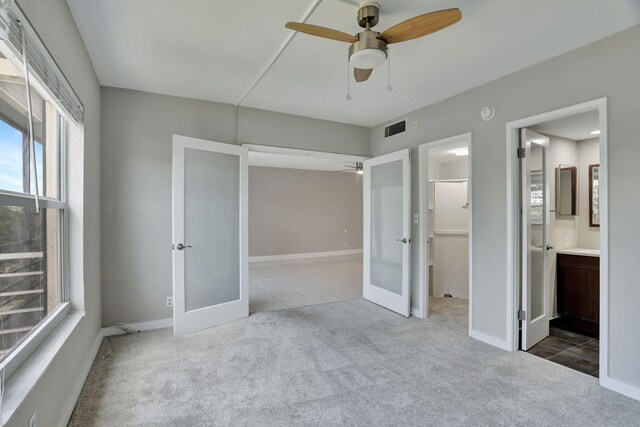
(289, 158)
(446, 153)
(217, 49)
(576, 127)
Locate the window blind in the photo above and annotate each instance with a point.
(44, 68)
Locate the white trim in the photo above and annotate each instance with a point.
(620, 387)
(423, 210)
(287, 257)
(513, 290)
(599, 105)
(84, 373)
(415, 312)
(31, 343)
(306, 153)
(140, 326)
(488, 339)
(24, 379)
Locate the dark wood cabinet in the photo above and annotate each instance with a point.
(578, 287)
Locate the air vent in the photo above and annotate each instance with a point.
(395, 129)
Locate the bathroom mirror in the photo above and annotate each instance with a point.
(567, 190)
(594, 196)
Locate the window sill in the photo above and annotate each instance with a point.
(25, 378)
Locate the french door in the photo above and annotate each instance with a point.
(535, 221)
(387, 231)
(210, 258)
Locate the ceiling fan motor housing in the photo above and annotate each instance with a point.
(368, 13)
(368, 51)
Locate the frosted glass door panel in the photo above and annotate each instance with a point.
(386, 226)
(212, 228)
(537, 228)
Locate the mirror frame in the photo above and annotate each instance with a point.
(591, 168)
(574, 189)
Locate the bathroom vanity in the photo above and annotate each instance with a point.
(578, 288)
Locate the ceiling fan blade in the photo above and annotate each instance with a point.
(361, 74)
(318, 31)
(421, 25)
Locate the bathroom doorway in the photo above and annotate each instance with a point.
(558, 228)
(445, 225)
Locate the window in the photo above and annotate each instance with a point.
(31, 231)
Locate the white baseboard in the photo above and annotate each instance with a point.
(620, 387)
(141, 326)
(288, 257)
(488, 339)
(84, 373)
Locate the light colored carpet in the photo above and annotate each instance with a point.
(343, 363)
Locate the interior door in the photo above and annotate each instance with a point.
(210, 258)
(387, 231)
(535, 220)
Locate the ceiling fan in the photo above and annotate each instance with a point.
(369, 48)
(357, 168)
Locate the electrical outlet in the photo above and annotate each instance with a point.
(32, 420)
(416, 124)
(169, 302)
(416, 218)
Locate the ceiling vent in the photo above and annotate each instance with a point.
(395, 129)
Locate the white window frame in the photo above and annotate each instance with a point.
(20, 354)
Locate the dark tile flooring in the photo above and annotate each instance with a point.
(573, 350)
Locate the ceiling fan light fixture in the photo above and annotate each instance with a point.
(368, 51)
(368, 58)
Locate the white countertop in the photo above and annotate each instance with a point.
(580, 251)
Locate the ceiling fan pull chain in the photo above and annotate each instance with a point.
(348, 85)
(389, 88)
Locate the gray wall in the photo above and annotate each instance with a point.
(137, 128)
(605, 68)
(294, 211)
(55, 389)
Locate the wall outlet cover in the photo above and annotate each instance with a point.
(169, 302)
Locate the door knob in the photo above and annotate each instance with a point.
(180, 246)
(549, 247)
(405, 240)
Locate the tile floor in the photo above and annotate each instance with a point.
(277, 285)
(571, 349)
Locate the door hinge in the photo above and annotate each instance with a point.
(522, 315)
(521, 153)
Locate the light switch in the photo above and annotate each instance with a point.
(416, 218)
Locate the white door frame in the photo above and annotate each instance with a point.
(513, 222)
(422, 310)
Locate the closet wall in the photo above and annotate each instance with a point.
(449, 228)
